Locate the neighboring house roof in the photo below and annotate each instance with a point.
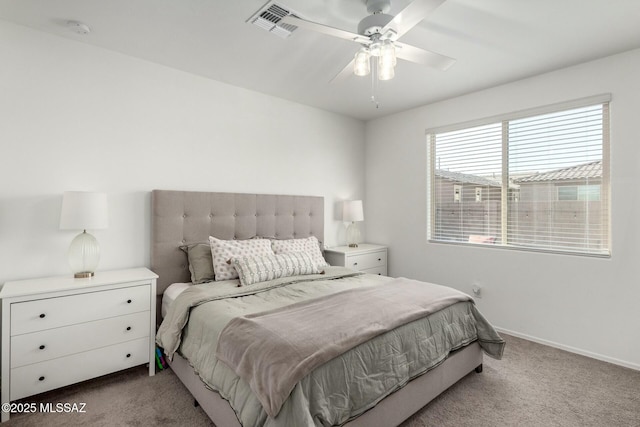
(468, 178)
(583, 171)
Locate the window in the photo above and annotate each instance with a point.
(567, 192)
(457, 190)
(540, 179)
(478, 194)
(579, 192)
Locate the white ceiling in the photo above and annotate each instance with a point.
(494, 42)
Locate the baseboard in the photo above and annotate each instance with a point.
(570, 349)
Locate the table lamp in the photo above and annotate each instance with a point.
(82, 210)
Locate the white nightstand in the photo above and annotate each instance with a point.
(366, 257)
(58, 331)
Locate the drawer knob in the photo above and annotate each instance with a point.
(42, 315)
(128, 355)
(41, 347)
(355, 263)
(128, 328)
(128, 301)
(41, 379)
(379, 259)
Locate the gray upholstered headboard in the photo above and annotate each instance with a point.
(180, 217)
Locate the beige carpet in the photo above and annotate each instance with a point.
(533, 385)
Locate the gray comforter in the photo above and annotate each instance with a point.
(340, 389)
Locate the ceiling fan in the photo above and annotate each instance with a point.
(378, 35)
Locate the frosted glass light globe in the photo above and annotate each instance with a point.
(84, 255)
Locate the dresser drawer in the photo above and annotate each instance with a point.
(381, 271)
(44, 345)
(44, 376)
(41, 314)
(365, 261)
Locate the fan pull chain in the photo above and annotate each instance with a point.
(374, 83)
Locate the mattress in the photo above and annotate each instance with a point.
(170, 295)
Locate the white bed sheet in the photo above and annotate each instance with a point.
(170, 295)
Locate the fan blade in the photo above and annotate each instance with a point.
(421, 56)
(344, 74)
(410, 16)
(324, 29)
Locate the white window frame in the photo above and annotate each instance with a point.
(478, 194)
(457, 192)
(605, 189)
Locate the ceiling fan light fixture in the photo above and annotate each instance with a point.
(362, 65)
(377, 35)
(375, 48)
(385, 72)
(387, 54)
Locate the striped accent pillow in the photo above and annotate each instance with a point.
(254, 269)
(311, 245)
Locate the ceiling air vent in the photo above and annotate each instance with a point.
(268, 18)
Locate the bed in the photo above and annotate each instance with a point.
(180, 218)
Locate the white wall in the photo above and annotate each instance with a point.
(76, 117)
(588, 305)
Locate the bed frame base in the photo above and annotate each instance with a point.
(391, 411)
(210, 401)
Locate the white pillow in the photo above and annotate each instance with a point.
(254, 269)
(223, 250)
(309, 245)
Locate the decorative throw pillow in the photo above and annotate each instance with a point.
(200, 263)
(254, 269)
(310, 245)
(223, 250)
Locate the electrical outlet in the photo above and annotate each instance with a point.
(477, 290)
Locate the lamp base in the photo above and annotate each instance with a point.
(84, 275)
(84, 255)
(353, 235)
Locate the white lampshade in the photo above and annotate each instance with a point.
(352, 211)
(81, 211)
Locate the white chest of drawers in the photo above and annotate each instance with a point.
(58, 331)
(367, 258)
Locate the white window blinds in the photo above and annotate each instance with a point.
(537, 182)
